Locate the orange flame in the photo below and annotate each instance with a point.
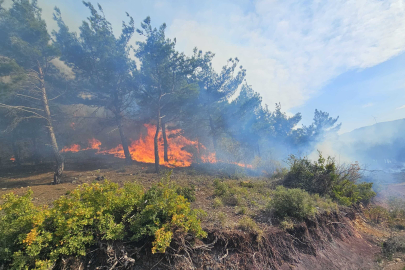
(73, 148)
(12, 159)
(142, 150)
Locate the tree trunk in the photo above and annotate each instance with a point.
(60, 163)
(198, 151)
(16, 151)
(124, 141)
(156, 142)
(165, 143)
(36, 155)
(213, 132)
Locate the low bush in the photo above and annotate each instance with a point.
(295, 203)
(220, 188)
(187, 192)
(326, 179)
(248, 225)
(37, 237)
(287, 224)
(397, 207)
(377, 214)
(392, 245)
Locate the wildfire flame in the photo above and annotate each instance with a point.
(93, 144)
(142, 150)
(12, 159)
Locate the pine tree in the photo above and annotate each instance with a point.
(26, 52)
(102, 63)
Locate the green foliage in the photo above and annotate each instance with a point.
(295, 203)
(317, 177)
(220, 188)
(287, 224)
(397, 207)
(187, 192)
(324, 178)
(16, 221)
(248, 225)
(91, 214)
(392, 245)
(217, 203)
(162, 213)
(348, 193)
(377, 214)
(247, 184)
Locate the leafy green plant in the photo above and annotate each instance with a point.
(377, 214)
(217, 203)
(220, 188)
(295, 203)
(90, 214)
(326, 179)
(392, 245)
(287, 224)
(187, 192)
(248, 225)
(16, 221)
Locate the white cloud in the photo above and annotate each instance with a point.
(368, 105)
(292, 48)
(402, 107)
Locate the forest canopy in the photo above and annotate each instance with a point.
(52, 82)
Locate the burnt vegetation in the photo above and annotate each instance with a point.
(107, 97)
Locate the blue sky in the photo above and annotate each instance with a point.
(343, 57)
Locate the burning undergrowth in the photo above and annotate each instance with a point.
(180, 151)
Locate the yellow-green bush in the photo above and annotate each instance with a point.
(16, 221)
(295, 203)
(248, 225)
(37, 237)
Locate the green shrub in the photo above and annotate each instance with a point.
(377, 214)
(16, 221)
(217, 203)
(295, 203)
(220, 188)
(91, 214)
(187, 192)
(348, 193)
(241, 210)
(397, 207)
(247, 184)
(392, 245)
(287, 224)
(221, 218)
(324, 178)
(314, 177)
(248, 225)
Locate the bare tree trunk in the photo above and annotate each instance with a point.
(124, 141)
(214, 136)
(36, 156)
(165, 143)
(16, 151)
(60, 163)
(156, 141)
(198, 151)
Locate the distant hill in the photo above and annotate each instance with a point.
(377, 133)
(381, 144)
